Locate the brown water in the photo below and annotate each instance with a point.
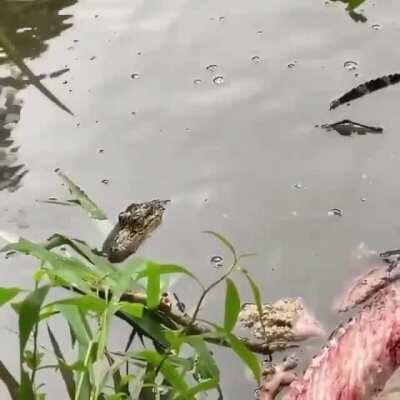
(228, 149)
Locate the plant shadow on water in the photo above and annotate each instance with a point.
(26, 26)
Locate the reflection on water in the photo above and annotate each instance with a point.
(28, 25)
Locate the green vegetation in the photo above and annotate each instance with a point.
(171, 359)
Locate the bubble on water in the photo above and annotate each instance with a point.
(255, 59)
(105, 181)
(212, 67)
(197, 81)
(218, 80)
(221, 19)
(376, 27)
(217, 261)
(364, 176)
(260, 32)
(135, 76)
(52, 198)
(291, 65)
(350, 65)
(363, 199)
(336, 212)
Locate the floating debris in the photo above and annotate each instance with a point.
(291, 65)
(218, 80)
(135, 76)
(256, 59)
(376, 27)
(350, 65)
(298, 186)
(346, 127)
(365, 88)
(212, 67)
(58, 73)
(217, 262)
(335, 211)
(105, 181)
(197, 81)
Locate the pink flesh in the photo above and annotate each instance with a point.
(364, 287)
(360, 357)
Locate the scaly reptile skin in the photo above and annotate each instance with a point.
(133, 226)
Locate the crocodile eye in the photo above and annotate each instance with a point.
(123, 217)
(139, 220)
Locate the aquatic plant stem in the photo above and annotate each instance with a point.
(35, 339)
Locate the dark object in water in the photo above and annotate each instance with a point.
(347, 127)
(367, 87)
(134, 224)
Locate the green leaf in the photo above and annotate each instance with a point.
(353, 4)
(85, 303)
(203, 386)
(29, 314)
(232, 305)
(153, 289)
(19, 61)
(150, 324)
(168, 370)
(71, 270)
(65, 371)
(83, 250)
(132, 309)
(224, 241)
(255, 290)
(206, 365)
(245, 355)
(77, 322)
(7, 294)
(81, 198)
(150, 267)
(9, 381)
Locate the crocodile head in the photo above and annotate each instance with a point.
(133, 226)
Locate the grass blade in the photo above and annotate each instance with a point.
(353, 4)
(81, 198)
(29, 314)
(9, 381)
(66, 372)
(18, 60)
(232, 305)
(7, 294)
(245, 355)
(224, 241)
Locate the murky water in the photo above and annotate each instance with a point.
(212, 104)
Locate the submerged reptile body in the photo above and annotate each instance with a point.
(134, 224)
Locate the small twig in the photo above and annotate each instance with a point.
(193, 329)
